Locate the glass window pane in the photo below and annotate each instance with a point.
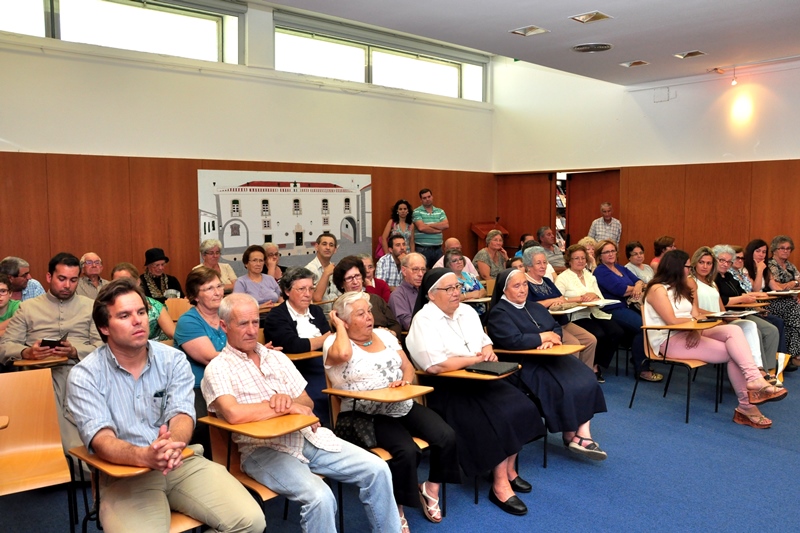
(403, 72)
(139, 28)
(22, 16)
(472, 82)
(318, 57)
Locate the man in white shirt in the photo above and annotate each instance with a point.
(322, 267)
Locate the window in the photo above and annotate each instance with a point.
(325, 221)
(213, 225)
(235, 208)
(298, 238)
(264, 208)
(266, 224)
(296, 207)
(347, 205)
(324, 206)
(235, 230)
(267, 238)
(22, 16)
(318, 47)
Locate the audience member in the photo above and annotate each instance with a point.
(783, 275)
(322, 268)
(591, 261)
(271, 267)
(155, 282)
(388, 267)
(668, 300)
(547, 240)
(634, 251)
(7, 306)
(454, 244)
(661, 246)
(210, 252)
(491, 260)
(400, 223)
(348, 276)
(738, 271)
(566, 390)
(372, 284)
(90, 281)
(524, 238)
(405, 296)
(23, 287)
(358, 357)
(160, 323)
(260, 286)
(107, 395)
(429, 224)
(515, 262)
(298, 326)
(59, 315)
(471, 287)
(248, 382)
(606, 227)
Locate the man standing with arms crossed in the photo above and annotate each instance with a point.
(429, 224)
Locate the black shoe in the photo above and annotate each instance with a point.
(513, 505)
(599, 376)
(520, 485)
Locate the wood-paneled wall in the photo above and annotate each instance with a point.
(585, 192)
(119, 207)
(525, 202)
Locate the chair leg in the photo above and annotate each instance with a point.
(444, 500)
(669, 378)
(696, 370)
(627, 360)
(72, 496)
(286, 509)
(688, 391)
(341, 507)
(544, 453)
(635, 386)
(616, 363)
(476, 489)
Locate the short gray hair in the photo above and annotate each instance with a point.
(291, 275)
(344, 303)
(492, 234)
(10, 265)
(228, 304)
(408, 257)
(540, 232)
(720, 249)
(778, 240)
(527, 255)
(208, 244)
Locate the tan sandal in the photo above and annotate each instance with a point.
(758, 421)
(767, 393)
(432, 512)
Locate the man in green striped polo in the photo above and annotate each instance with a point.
(429, 224)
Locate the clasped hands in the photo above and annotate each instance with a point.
(165, 454)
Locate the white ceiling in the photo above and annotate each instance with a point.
(731, 32)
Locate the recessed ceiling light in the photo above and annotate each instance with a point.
(690, 53)
(637, 63)
(591, 47)
(592, 16)
(527, 31)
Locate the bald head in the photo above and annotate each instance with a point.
(452, 244)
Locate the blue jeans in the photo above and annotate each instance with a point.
(297, 481)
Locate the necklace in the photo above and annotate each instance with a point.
(365, 344)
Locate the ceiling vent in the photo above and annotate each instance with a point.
(527, 31)
(591, 47)
(690, 53)
(593, 16)
(637, 63)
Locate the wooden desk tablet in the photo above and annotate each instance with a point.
(304, 355)
(483, 300)
(463, 374)
(264, 429)
(748, 306)
(112, 469)
(385, 395)
(558, 350)
(3, 422)
(41, 363)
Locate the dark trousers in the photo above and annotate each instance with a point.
(608, 335)
(395, 435)
(431, 253)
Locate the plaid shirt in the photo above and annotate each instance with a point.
(601, 231)
(233, 373)
(388, 271)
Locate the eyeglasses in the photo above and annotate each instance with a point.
(786, 249)
(93, 263)
(457, 260)
(452, 289)
(418, 270)
(351, 279)
(739, 258)
(687, 266)
(724, 261)
(273, 254)
(217, 287)
(608, 252)
(209, 253)
(3, 292)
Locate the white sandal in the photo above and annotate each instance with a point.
(429, 510)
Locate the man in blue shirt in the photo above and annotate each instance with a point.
(133, 403)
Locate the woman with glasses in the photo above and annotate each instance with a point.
(271, 267)
(210, 252)
(738, 271)
(619, 283)
(471, 287)
(634, 251)
(492, 419)
(372, 284)
(668, 300)
(348, 276)
(200, 336)
(260, 286)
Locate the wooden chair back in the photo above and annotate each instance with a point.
(176, 307)
(31, 455)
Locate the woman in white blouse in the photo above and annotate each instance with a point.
(359, 357)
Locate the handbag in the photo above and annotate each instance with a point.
(356, 428)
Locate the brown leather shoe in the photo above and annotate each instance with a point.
(755, 421)
(768, 393)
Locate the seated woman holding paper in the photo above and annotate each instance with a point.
(359, 357)
(493, 419)
(757, 332)
(619, 283)
(668, 300)
(567, 390)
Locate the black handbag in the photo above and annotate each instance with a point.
(357, 428)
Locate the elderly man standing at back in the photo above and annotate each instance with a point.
(65, 319)
(454, 244)
(23, 287)
(91, 282)
(606, 227)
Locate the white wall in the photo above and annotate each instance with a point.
(62, 97)
(549, 120)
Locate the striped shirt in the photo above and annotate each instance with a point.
(428, 239)
(389, 271)
(233, 373)
(601, 231)
(101, 394)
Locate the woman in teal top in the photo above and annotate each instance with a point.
(200, 336)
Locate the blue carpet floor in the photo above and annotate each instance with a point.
(661, 474)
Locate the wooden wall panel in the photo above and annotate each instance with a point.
(717, 206)
(585, 192)
(524, 203)
(652, 204)
(25, 211)
(90, 206)
(466, 197)
(773, 202)
(164, 212)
